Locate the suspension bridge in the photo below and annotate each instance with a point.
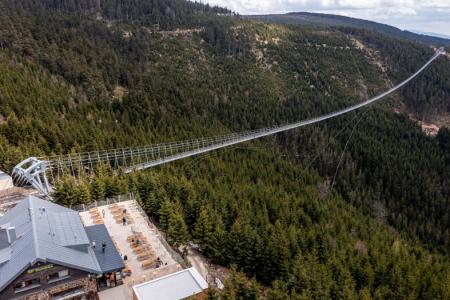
(42, 172)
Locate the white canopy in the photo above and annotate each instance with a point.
(175, 286)
(5, 181)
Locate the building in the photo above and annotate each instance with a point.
(180, 285)
(47, 253)
(5, 181)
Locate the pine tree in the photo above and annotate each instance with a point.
(84, 193)
(98, 188)
(165, 214)
(177, 229)
(152, 203)
(211, 294)
(238, 286)
(66, 192)
(203, 229)
(279, 251)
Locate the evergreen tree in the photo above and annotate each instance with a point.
(204, 229)
(165, 214)
(177, 229)
(84, 193)
(98, 188)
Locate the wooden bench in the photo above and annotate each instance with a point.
(137, 240)
(138, 235)
(141, 249)
(120, 216)
(97, 220)
(148, 263)
(141, 243)
(127, 219)
(113, 207)
(145, 255)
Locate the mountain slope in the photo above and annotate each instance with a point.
(72, 81)
(327, 20)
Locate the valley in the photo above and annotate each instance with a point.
(354, 207)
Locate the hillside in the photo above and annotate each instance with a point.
(328, 20)
(80, 77)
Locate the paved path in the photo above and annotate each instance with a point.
(197, 260)
(121, 292)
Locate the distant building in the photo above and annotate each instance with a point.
(47, 253)
(5, 181)
(175, 286)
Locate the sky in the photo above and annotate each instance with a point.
(421, 15)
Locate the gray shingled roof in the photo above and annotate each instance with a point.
(66, 229)
(109, 260)
(46, 232)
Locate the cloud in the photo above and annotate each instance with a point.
(406, 14)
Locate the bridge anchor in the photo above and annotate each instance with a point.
(33, 171)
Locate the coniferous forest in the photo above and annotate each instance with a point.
(356, 207)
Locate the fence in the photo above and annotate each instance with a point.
(107, 201)
(175, 255)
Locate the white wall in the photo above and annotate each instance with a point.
(5, 181)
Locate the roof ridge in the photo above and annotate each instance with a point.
(94, 257)
(33, 226)
(91, 251)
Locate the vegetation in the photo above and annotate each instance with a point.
(296, 215)
(327, 20)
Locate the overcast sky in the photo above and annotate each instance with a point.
(422, 15)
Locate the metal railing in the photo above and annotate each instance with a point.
(175, 255)
(42, 171)
(106, 201)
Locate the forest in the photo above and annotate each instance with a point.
(353, 208)
(329, 20)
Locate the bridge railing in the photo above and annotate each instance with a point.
(76, 163)
(37, 171)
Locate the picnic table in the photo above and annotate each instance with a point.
(139, 242)
(140, 249)
(148, 263)
(97, 219)
(94, 213)
(119, 220)
(136, 236)
(118, 208)
(145, 255)
(120, 216)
